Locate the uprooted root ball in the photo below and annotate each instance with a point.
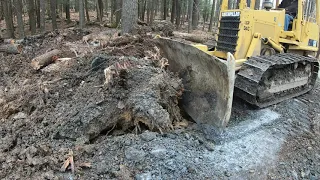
(139, 96)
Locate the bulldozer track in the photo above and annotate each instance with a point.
(266, 80)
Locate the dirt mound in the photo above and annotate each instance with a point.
(44, 113)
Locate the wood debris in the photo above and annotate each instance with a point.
(45, 59)
(11, 48)
(85, 165)
(68, 162)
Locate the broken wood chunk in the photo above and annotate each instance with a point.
(197, 38)
(9, 41)
(45, 59)
(85, 165)
(11, 48)
(68, 162)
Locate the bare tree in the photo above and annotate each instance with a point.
(195, 14)
(87, 10)
(37, 7)
(32, 16)
(178, 13)
(18, 8)
(165, 9)
(257, 4)
(81, 14)
(1, 11)
(53, 6)
(67, 9)
(129, 18)
(118, 11)
(7, 11)
(190, 10)
(213, 8)
(42, 15)
(173, 11)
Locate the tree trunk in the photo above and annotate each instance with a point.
(152, 9)
(42, 15)
(113, 10)
(11, 48)
(7, 7)
(165, 9)
(173, 11)
(190, 10)
(257, 4)
(18, 4)
(212, 15)
(37, 7)
(118, 11)
(45, 59)
(81, 14)
(100, 9)
(32, 16)
(67, 9)
(195, 14)
(107, 7)
(87, 10)
(53, 6)
(129, 18)
(178, 12)
(217, 13)
(1, 11)
(144, 10)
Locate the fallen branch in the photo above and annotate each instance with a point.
(124, 40)
(11, 48)
(68, 162)
(45, 59)
(191, 37)
(9, 41)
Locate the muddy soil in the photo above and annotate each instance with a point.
(131, 127)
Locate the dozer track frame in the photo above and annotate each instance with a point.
(267, 80)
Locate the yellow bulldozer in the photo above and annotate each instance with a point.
(255, 59)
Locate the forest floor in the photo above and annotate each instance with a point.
(132, 127)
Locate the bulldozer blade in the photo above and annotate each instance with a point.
(208, 81)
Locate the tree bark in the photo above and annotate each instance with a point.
(178, 12)
(20, 22)
(81, 14)
(152, 10)
(7, 11)
(1, 11)
(45, 59)
(190, 10)
(165, 9)
(67, 10)
(37, 7)
(113, 10)
(257, 4)
(100, 9)
(86, 8)
(42, 15)
(173, 11)
(53, 6)
(118, 11)
(195, 14)
(107, 7)
(129, 18)
(212, 15)
(11, 48)
(32, 16)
